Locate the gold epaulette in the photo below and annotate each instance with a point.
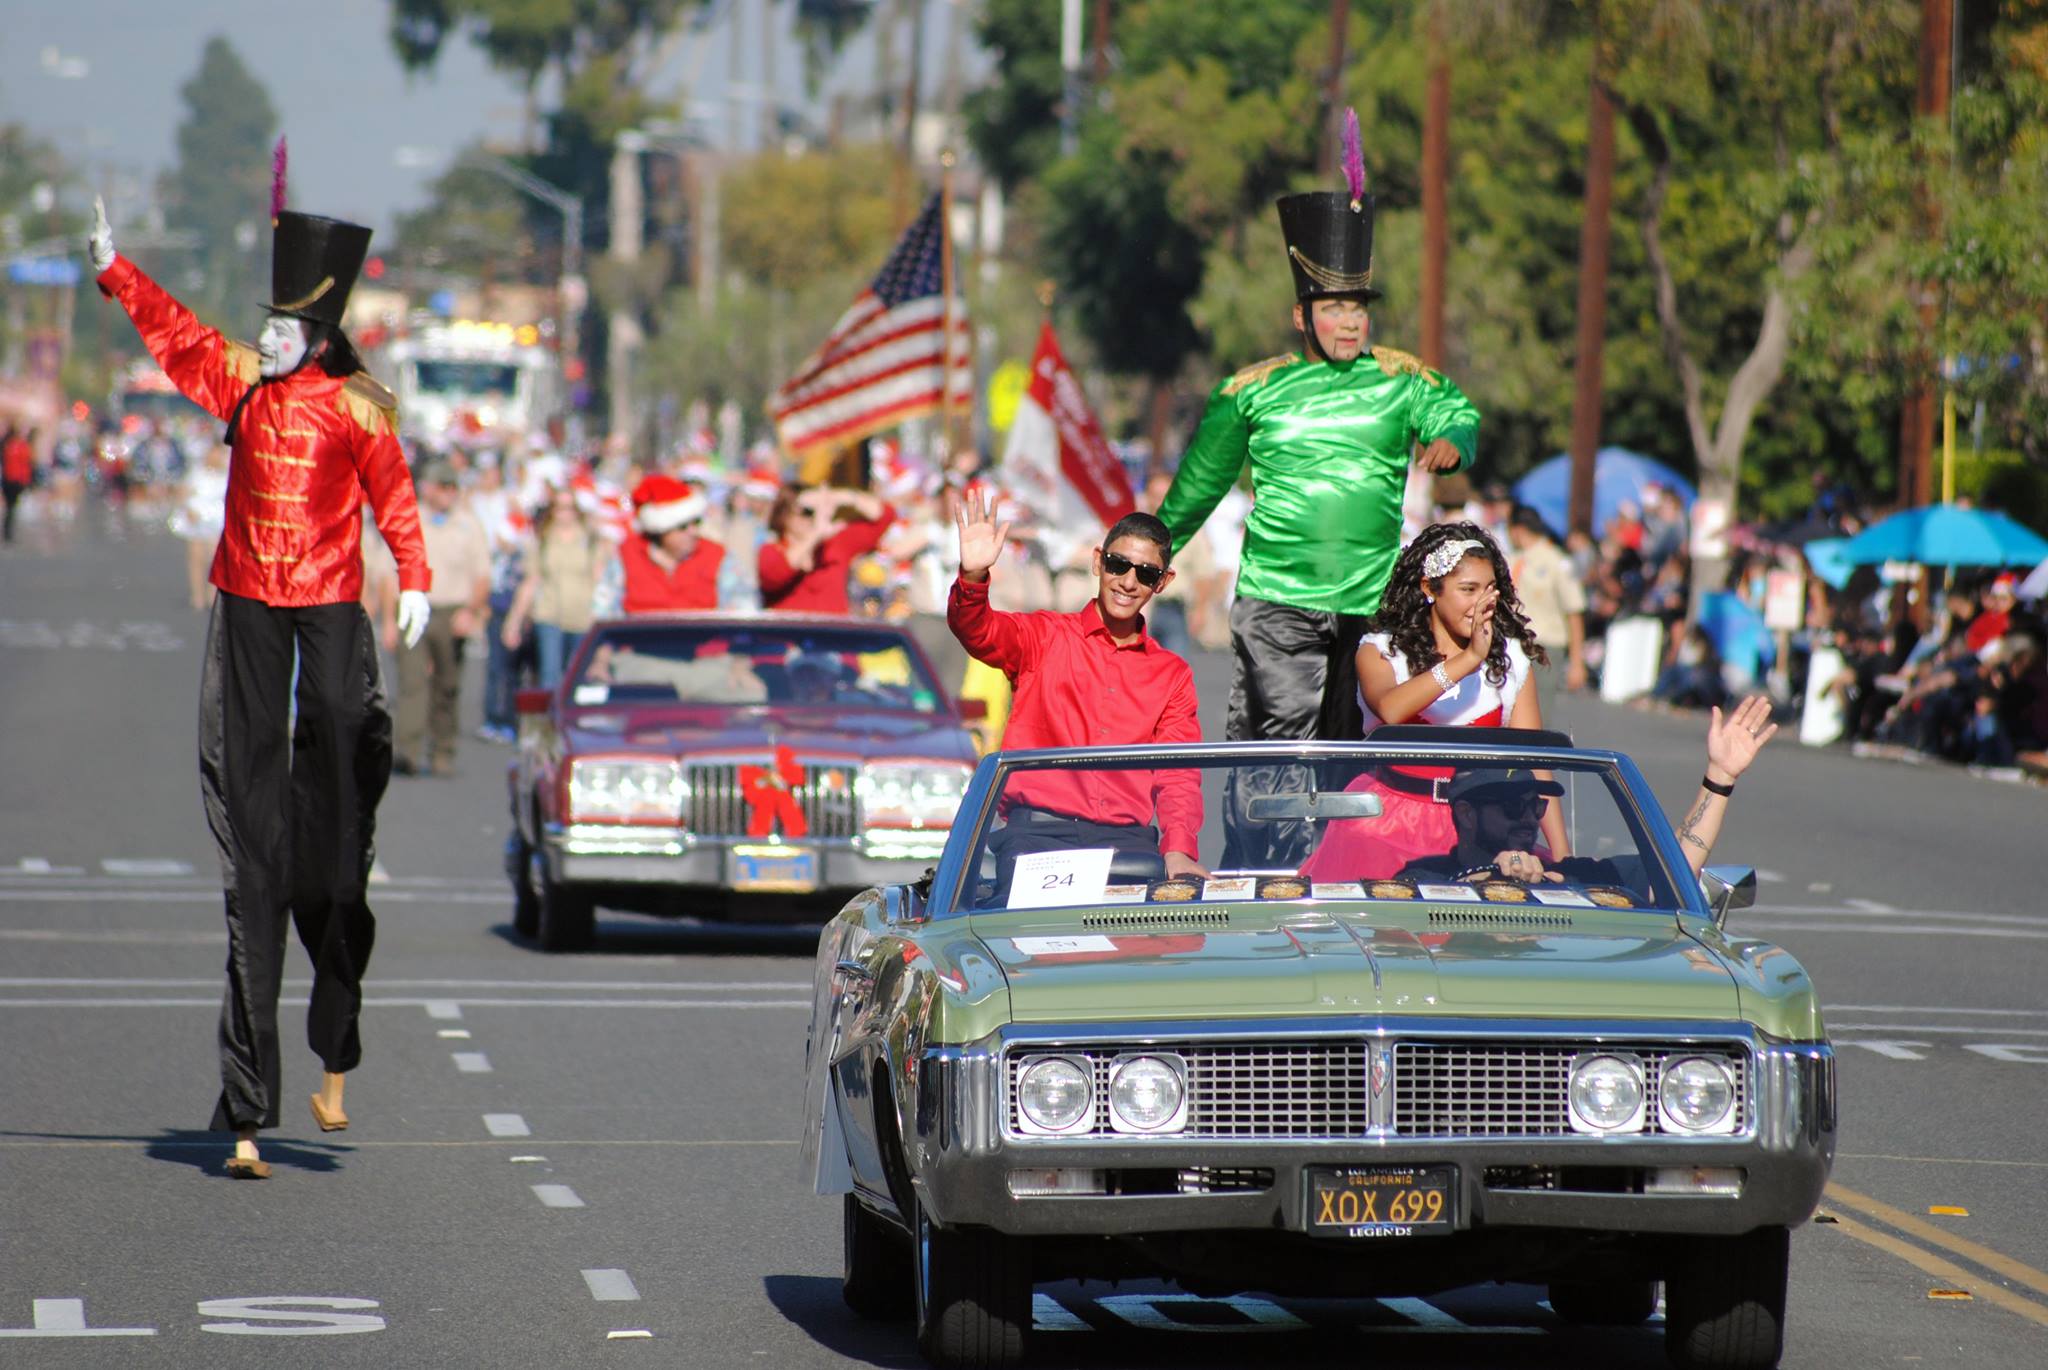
(1258, 371)
(243, 363)
(365, 399)
(1395, 362)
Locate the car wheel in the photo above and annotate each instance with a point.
(1608, 1303)
(567, 920)
(1724, 1306)
(877, 1275)
(973, 1296)
(521, 862)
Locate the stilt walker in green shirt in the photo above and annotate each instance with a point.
(1329, 432)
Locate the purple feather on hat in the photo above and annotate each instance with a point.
(1354, 158)
(277, 160)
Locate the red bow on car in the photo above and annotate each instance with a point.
(770, 792)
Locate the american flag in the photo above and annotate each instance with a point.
(886, 359)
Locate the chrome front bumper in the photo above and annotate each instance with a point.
(963, 1152)
(602, 854)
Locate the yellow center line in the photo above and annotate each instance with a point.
(2016, 1271)
(1946, 1271)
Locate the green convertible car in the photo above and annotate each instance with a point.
(1388, 1071)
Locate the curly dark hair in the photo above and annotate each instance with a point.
(1404, 613)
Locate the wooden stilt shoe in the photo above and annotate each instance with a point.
(330, 1120)
(247, 1168)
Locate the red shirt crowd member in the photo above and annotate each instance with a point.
(668, 564)
(1093, 678)
(803, 569)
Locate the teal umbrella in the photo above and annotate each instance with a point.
(1944, 535)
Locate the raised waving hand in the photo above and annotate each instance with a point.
(981, 537)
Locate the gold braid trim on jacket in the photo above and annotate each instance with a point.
(374, 408)
(1258, 371)
(1395, 362)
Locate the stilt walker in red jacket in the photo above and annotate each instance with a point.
(292, 812)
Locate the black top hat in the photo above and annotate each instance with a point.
(1329, 245)
(314, 263)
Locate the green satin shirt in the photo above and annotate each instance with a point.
(1330, 446)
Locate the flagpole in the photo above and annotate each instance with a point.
(946, 284)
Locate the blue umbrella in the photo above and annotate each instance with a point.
(1945, 535)
(1618, 475)
(1738, 634)
(1824, 555)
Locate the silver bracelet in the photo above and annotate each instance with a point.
(1441, 677)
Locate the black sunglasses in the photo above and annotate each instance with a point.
(1148, 576)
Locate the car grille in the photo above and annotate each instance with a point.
(1318, 1089)
(715, 807)
(1517, 1089)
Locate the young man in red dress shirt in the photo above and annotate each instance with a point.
(668, 565)
(1093, 678)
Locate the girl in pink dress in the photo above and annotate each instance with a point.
(1449, 646)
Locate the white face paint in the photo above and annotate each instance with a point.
(281, 346)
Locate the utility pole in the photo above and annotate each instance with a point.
(1916, 417)
(1070, 75)
(623, 247)
(1593, 232)
(1436, 175)
(1098, 48)
(1333, 87)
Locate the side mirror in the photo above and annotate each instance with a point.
(532, 701)
(1728, 888)
(973, 710)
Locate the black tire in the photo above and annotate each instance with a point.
(568, 919)
(1724, 1307)
(1608, 1303)
(876, 1280)
(520, 863)
(973, 1296)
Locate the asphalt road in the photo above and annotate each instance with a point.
(550, 1152)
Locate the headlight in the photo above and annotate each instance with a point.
(1696, 1094)
(1146, 1094)
(911, 795)
(1607, 1093)
(616, 791)
(1054, 1095)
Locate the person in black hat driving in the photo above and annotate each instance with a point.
(1328, 432)
(294, 735)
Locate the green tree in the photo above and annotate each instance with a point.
(475, 225)
(220, 188)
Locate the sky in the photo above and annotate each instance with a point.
(100, 79)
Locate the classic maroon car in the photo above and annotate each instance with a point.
(687, 764)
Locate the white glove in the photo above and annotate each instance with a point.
(100, 242)
(413, 613)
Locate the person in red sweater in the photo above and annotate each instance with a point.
(17, 472)
(804, 566)
(1092, 678)
(669, 565)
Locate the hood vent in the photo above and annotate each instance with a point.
(1175, 918)
(1503, 918)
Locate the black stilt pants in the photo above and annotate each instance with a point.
(1293, 678)
(293, 815)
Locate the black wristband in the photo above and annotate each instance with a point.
(1711, 788)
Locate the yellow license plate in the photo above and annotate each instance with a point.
(774, 870)
(1381, 1200)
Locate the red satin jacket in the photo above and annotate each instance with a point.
(307, 448)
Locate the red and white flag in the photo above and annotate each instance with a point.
(1057, 463)
(887, 358)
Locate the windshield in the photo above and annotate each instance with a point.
(465, 378)
(753, 664)
(1362, 827)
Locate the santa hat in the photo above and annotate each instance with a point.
(762, 482)
(662, 503)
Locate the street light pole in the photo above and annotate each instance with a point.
(570, 291)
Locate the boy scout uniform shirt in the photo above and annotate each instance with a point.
(1548, 586)
(1329, 444)
(306, 448)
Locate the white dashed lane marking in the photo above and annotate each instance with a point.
(611, 1286)
(66, 1318)
(454, 1034)
(472, 1062)
(442, 1009)
(559, 1196)
(506, 1125)
(1870, 906)
(147, 867)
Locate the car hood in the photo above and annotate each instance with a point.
(865, 734)
(1246, 965)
